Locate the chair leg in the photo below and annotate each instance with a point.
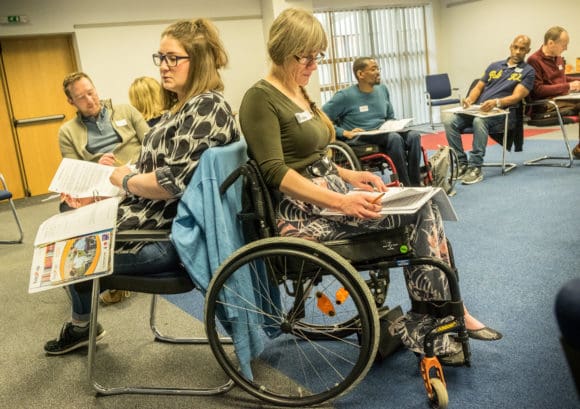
(505, 166)
(174, 340)
(17, 219)
(103, 390)
(569, 159)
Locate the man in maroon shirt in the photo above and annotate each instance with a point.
(551, 80)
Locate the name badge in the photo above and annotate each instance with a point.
(363, 108)
(303, 116)
(518, 69)
(121, 122)
(560, 67)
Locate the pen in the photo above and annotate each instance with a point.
(376, 199)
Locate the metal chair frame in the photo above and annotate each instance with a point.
(569, 159)
(5, 194)
(171, 283)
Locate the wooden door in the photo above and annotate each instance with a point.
(34, 69)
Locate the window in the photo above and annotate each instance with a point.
(395, 37)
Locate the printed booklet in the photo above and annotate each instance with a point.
(74, 246)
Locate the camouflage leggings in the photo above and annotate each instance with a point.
(300, 219)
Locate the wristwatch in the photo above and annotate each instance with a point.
(497, 103)
(126, 180)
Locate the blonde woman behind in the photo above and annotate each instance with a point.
(146, 94)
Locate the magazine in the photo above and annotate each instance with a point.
(391, 125)
(74, 246)
(475, 110)
(408, 200)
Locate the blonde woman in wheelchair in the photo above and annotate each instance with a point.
(288, 136)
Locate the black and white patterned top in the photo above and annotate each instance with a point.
(172, 148)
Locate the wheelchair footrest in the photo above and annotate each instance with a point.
(388, 344)
(438, 309)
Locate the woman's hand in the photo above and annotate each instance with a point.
(76, 202)
(363, 180)
(360, 204)
(118, 174)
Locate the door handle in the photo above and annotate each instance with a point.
(38, 119)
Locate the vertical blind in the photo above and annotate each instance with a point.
(395, 37)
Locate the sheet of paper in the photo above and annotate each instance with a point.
(92, 218)
(475, 110)
(81, 178)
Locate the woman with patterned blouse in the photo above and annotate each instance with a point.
(189, 58)
(288, 136)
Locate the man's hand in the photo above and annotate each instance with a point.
(353, 133)
(107, 159)
(574, 86)
(488, 105)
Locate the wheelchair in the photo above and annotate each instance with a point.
(364, 156)
(312, 319)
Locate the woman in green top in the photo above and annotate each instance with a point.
(288, 136)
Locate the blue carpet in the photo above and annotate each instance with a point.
(515, 244)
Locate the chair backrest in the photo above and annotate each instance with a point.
(5, 194)
(471, 86)
(438, 85)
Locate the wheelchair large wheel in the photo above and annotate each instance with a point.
(290, 287)
(344, 156)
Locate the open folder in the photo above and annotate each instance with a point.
(74, 246)
(408, 200)
(391, 125)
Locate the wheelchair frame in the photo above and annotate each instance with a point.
(366, 156)
(295, 268)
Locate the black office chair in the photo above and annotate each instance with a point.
(439, 93)
(5, 194)
(177, 281)
(165, 282)
(562, 119)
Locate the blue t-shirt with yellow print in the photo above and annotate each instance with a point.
(500, 79)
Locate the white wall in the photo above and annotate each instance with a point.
(115, 40)
(474, 34)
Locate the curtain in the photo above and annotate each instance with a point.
(395, 37)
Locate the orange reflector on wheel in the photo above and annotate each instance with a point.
(341, 295)
(324, 304)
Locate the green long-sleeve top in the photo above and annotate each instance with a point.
(279, 134)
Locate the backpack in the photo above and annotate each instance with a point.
(444, 166)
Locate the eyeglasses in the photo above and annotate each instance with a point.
(309, 60)
(171, 60)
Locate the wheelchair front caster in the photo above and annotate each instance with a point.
(439, 398)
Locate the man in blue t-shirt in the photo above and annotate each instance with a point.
(365, 107)
(504, 83)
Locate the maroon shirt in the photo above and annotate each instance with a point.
(551, 80)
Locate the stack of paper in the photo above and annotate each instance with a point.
(408, 200)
